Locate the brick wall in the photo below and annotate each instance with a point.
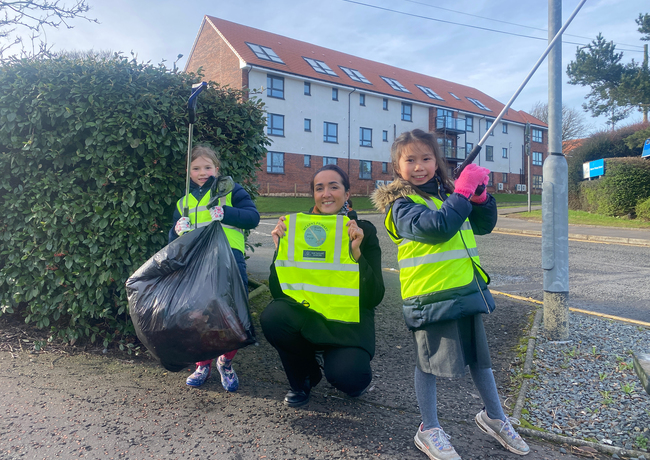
(297, 177)
(219, 63)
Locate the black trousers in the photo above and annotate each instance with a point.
(346, 368)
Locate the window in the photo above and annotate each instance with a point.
(275, 86)
(330, 132)
(504, 153)
(384, 136)
(469, 123)
(537, 181)
(468, 148)
(537, 135)
(429, 92)
(307, 124)
(362, 99)
(320, 67)
(489, 153)
(365, 169)
(384, 168)
(490, 179)
(307, 161)
(504, 128)
(335, 94)
(504, 178)
(397, 86)
(365, 137)
(329, 161)
(445, 119)
(265, 53)
(275, 163)
(407, 111)
(307, 89)
(454, 96)
(385, 104)
(355, 75)
(478, 104)
(488, 123)
(537, 158)
(275, 125)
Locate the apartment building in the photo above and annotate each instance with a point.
(324, 106)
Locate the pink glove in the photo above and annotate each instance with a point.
(479, 199)
(182, 226)
(471, 177)
(216, 213)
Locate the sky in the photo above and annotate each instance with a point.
(432, 37)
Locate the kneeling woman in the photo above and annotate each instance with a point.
(326, 282)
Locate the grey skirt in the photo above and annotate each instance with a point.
(446, 348)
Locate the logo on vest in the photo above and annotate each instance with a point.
(315, 235)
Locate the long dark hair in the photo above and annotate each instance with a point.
(344, 177)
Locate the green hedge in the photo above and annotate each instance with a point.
(643, 210)
(625, 184)
(92, 161)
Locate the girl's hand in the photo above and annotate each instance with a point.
(279, 231)
(182, 226)
(356, 237)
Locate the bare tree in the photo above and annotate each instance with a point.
(573, 124)
(33, 17)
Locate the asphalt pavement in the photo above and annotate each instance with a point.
(69, 404)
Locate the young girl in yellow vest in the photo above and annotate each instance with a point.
(444, 289)
(238, 213)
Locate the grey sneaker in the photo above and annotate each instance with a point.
(435, 443)
(502, 432)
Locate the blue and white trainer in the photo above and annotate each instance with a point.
(200, 375)
(435, 444)
(229, 379)
(502, 432)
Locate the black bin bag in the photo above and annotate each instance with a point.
(188, 302)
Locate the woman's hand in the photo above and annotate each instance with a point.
(279, 231)
(356, 237)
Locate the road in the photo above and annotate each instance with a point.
(603, 278)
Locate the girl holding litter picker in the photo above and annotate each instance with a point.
(444, 289)
(237, 213)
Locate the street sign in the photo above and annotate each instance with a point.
(593, 169)
(646, 149)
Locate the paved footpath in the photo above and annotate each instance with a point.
(81, 405)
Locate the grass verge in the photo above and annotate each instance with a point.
(586, 218)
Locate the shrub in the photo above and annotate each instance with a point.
(92, 161)
(605, 144)
(625, 183)
(643, 210)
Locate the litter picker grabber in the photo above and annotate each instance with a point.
(191, 108)
(476, 150)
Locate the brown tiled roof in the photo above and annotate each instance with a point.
(571, 144)
(528, 118)
(292, 52)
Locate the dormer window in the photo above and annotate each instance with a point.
(320, 66)
(264, 52)
(355, 75)
(397, 86)
(429, 92)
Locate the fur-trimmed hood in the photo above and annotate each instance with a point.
(386, 194)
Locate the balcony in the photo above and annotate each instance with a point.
(450, 125)
(452, 152)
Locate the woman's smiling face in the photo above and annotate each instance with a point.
(329, 192)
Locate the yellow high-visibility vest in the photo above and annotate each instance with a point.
(426, 268)
(315, 267)
(200, 217)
